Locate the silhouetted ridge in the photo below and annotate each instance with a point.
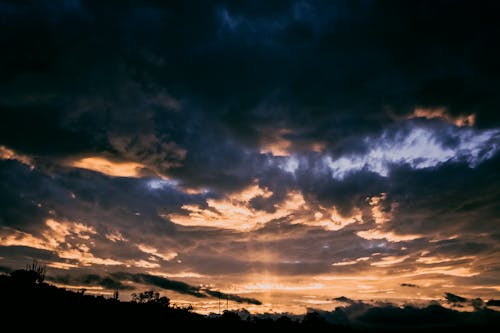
(24, 294)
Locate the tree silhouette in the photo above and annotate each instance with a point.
(33, 274)
(150, 296)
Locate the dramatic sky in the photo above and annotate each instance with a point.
(288, 152)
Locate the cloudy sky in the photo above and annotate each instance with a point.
(288, 152)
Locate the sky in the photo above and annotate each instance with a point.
(275, 154)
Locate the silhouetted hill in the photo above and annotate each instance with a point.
(24, 294)
(51, 308)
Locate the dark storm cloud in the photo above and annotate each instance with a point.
(90, 280)
(182, 287)
(234, 298)
(308, 97)
(115, 281)
(18, 256)
(347, 193)
(454, 197)
(166, 86)
(30, 196)
(161, 282)
(240, 66)
(19, 197)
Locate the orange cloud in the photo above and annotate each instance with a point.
(318, 147)
(150, 150)
(11, 237)
(378, 214)
(330, 219)
(446, 270)
(389, 261)
(9, 154)
(81, 253)
(183, 274)
(70, 241)
(51, 238)
(440, 259)
(350, 262)
(142, 264)
(235, 212)
(108, 167)
(431, 113)
(115, 236)
(167, 256)
(382, 218)
(55, 238)
(388, 235)
(61, 265)
(274, 142)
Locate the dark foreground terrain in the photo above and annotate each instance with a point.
(29, 303)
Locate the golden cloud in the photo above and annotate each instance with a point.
(108, 167)
(236, 213)
(69, 241)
